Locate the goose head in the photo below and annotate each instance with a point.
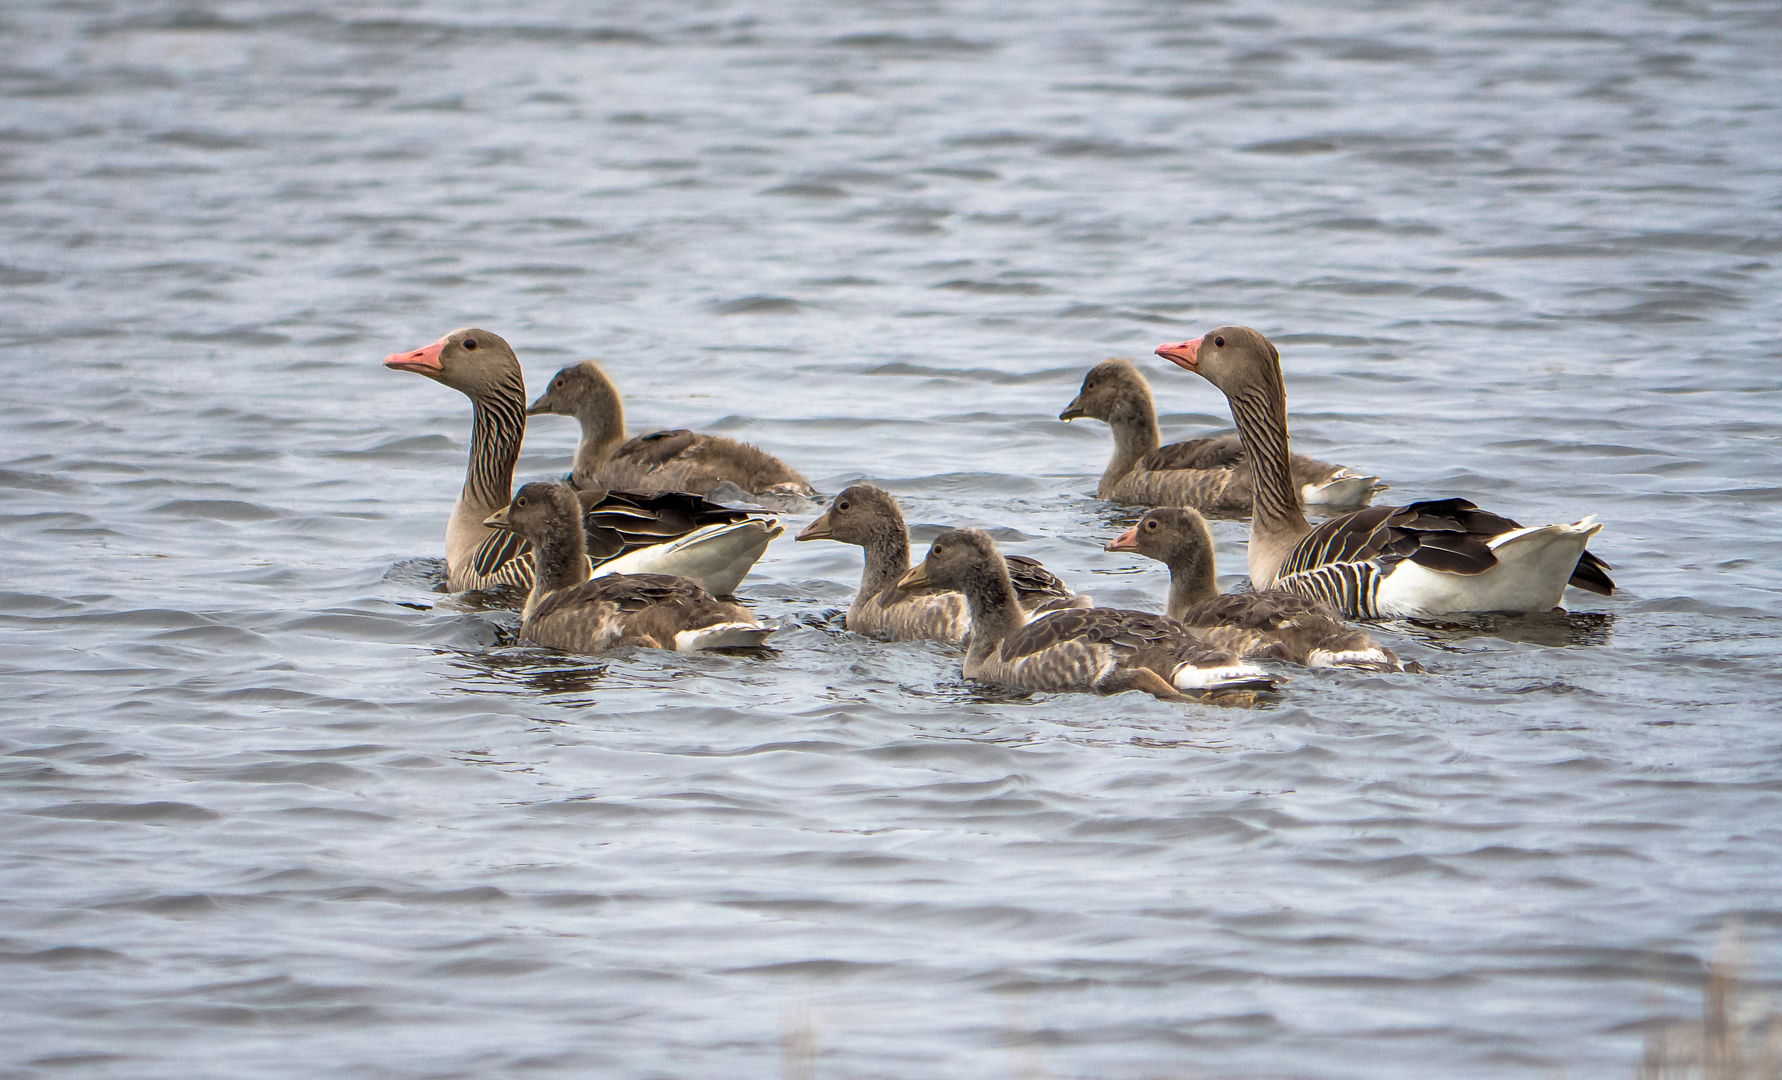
(471, 361)
(579, 390)
(1176, 536)
(1235, 359)
(959, 559)
(858, 515)
(1111, 390)
(540, 511)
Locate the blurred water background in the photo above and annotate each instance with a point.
(275, 807)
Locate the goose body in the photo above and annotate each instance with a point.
(627, 533)
(1211, 474)
(678, 460)
(1272, 622)
(1429, 558)
(869, 517)
(1097, 650)
(569, 610)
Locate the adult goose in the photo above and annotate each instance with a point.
(669, 533)
(869, 517)
(1422, 559)
(679, 459)
(1098, 650)
(1211, 474)
(568, 610)
(1273, 622)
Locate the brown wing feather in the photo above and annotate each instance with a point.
(630, 592)
(1129, 630)
(1035, 586)
(1213, 452)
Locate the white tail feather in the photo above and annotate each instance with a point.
(717, 557)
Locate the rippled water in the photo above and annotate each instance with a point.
(274, 807)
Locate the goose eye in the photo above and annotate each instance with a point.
(843, 505)
(1219, 342)
(935, 550)
(469, 344)
(558, 385)
(1150, 526)
(521, 501)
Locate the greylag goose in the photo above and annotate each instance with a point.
(1273, 623)
(713, 545)
(568, 610)
(1211, 474)
(1429, 558)
(1099, 650)
(679, 459)
(869, 517)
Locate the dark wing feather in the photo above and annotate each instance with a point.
(1592, 575)
(1214, 452)
(1448, 535)
(1034, 584)
(627, 520)
(657, 447)
(497, 549)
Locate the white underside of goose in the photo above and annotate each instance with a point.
(1373, 659)
(1533, 567)
(1345, 489)
(1222, 677)
(721, 636)
(717, 557)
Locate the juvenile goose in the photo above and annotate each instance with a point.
(677, 459)
(567, 610)
(1211, 474)
(713, 545)
(869, 517)
(1421, 559)
(1100, 650)
(1274, 623)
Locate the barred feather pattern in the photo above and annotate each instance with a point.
(1350, 587)
(1253, 412)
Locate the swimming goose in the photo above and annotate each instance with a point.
(1099, 650)
(869, 517)
(711, 544)
(1274, 623)
(677, 459)
(1210, 474)
(1426, 558)
(568, 610)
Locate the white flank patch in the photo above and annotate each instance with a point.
(735, 635)
(1230, 676)
(1369, 658)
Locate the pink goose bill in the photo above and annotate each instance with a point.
(1183, 354)
(422, 360)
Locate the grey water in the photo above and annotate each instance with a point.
(274, 806)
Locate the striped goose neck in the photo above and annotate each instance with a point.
(498, 426)
(1260, 413)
